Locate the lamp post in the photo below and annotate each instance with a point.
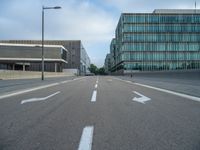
(43, 8)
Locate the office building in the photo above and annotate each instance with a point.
(163, 40)
(27, 57)
(107, 63)
(77, 57)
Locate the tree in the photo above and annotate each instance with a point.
(93, 69)
(101, 71)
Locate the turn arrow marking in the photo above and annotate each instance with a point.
(141, 99)
(39, 99)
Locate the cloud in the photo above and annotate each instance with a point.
(84, 21)
(77, 20)
(92, 21)
(149, 5)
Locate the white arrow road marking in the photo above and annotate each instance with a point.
(141, 99)
(39, 99)
(28, 90)
(86, 138)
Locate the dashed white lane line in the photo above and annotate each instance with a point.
(97, 80)
(194, 98)
(39, 99)
(94, 96)
(86, 138)
(96, 85)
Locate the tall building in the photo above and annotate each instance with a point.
(107, 63)
(77, 56)
(162, 40)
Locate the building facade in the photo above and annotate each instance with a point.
(107, 63)
(77, 56)
(27, 57)
(162, 40)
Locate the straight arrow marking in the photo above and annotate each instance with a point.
(39, 99)
(141, 99)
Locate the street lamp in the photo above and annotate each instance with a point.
(43, 8)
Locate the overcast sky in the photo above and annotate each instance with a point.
(91, 21)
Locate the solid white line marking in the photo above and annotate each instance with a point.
(27, 90)
(86, 138)
(39, 99)
(76, 79)
(171, 92)
(36, 88)
(64, 82)
(194, 98)
(96, 85)
(94, 95)
(141, 99)
(124, 80)
(79, 78)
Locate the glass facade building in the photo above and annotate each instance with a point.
(162, 40)
(107, 63)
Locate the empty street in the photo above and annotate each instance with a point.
(96, 113)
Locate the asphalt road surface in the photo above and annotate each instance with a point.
(98, 113)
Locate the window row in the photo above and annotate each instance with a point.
(160, 28)
(153, 18)
(161, 65)
(160, 47)
(159, 56)
(161, 37)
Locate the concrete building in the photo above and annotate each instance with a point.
(28, 57)
(77, 57)
(162, 40)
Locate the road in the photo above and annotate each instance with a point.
(98, 113)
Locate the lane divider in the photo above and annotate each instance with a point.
(94, 96)
(86, 138)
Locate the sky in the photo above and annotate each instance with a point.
(91, 21)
